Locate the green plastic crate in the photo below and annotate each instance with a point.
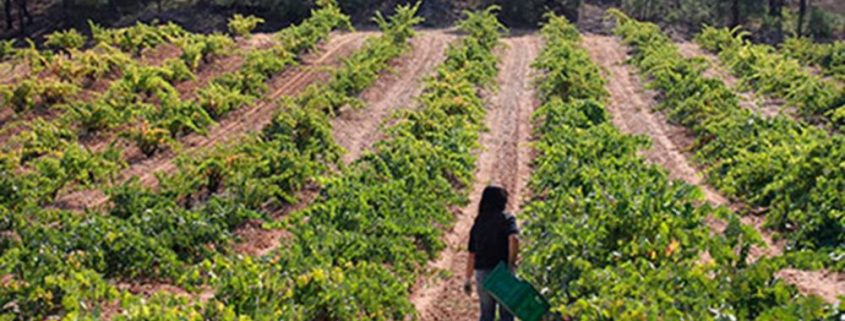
(518, 296)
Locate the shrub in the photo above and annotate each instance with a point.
(65, 40)
(242, 26)
(149, 139)
(7, 48)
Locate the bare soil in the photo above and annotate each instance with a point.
(763, 106)
(631, 106)
(12, 71)
(235, 124)
(15, 123)
(12, 123)
(256, 240)
(631, 109)
(158, 55)
(390, 91)
(505, 159)
(357, 130)
(188, 89)
(808, 282)
(147, 289)
(210, 71)
(252, 238)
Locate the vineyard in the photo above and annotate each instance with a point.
(327, 173)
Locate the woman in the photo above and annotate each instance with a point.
(493, 239)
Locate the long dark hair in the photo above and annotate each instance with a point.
(493, 202)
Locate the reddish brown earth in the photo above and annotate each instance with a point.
(208, 71)
(12, 123)
(808, 282)
(256, 240)
(357, 130)
(224, 65)
(15, 123)
(149, 288)
(390, 91)
(505, 159)
(252, 238)
(631, 108)
(158, 55)
(12, 71)
(235, 124)
(764, 106)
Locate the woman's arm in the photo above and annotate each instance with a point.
(468, 275)
(470, 266)
(513, 251)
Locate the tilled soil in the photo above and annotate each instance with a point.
(505, 160)
(631, 109)
(763, 106)
(253, 238)
(11, 72)
(827, 285)
(235, 124)
(147, 288)
(13, 123)
(158, 55)
(357, 130)
(220, 66)
(388, 93)
(256, 240)
(208, 71)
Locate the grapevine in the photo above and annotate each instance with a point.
(611, 237)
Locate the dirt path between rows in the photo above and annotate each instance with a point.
(505, 159)
(224, 65)
(188, 89)
(631, 109)
(763, 106)
(13, 123)
(11, 71)
(391, 91)
(357, 130)
(235, 124)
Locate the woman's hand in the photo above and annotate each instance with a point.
(513, 251)
(469, 273)
(468, 286)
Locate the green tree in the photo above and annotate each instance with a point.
(802, 11)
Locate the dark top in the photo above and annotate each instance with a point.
(488, 239)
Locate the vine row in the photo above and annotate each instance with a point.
(610, 237)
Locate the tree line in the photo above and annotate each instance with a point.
(775, 18)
